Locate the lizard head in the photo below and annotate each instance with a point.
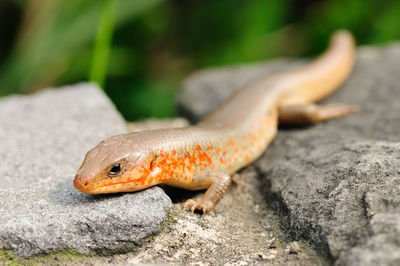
(117, 164)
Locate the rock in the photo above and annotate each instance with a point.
(337, 183)
(44, 138)
(275, 244)
(293, 248)
(232, 234)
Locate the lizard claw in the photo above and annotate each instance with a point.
(197, 206)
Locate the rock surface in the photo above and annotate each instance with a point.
(44, 138)
(238, 232)
(336, 184)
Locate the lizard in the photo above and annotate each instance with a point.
(204, 156)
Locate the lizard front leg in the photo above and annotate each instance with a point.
(219, 184)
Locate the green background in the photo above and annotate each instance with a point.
(141, 50)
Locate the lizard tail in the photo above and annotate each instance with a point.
(324, 75)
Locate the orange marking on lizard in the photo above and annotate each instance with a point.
(141, 180)
(207, 158)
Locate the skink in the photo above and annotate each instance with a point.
(206, 155)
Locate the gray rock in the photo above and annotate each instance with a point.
(44, 138)
(336, 184)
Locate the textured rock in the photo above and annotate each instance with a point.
(337, 184)
(44, 138)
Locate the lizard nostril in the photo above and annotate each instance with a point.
(79, 183)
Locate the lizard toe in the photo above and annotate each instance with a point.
(193, 206)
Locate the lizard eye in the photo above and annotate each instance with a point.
(114, 170)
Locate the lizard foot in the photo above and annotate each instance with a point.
(200, 206)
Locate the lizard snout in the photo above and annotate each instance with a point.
(81, 183)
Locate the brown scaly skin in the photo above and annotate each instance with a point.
(204, 156)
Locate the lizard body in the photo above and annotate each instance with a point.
(204, 156)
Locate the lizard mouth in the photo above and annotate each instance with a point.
(101, 187)
(105, 187)
(112, 188)
(128, 186)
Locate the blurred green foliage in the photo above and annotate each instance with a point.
(156, 43)
(103, 43)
